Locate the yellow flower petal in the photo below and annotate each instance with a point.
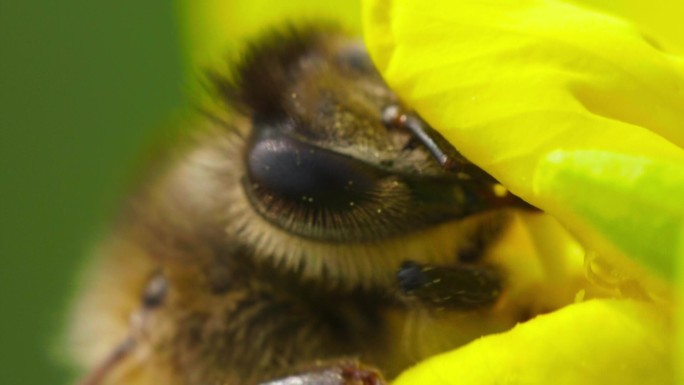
(679, 255)
(578, 113)
(660, 18)
(574, 345)
(511, 83)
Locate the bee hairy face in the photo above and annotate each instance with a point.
(282, 231)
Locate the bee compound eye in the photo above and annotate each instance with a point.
(297, 170)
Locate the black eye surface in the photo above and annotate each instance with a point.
(293, 169)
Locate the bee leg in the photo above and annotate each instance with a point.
(462, 287)
(342, 372)
(152, 298)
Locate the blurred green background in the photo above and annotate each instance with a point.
(82, 86)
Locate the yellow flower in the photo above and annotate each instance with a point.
(582, 115)
(578, 112)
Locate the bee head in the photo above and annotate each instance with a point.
(314, 165)
(323, 162)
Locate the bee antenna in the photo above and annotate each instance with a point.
(434, 142)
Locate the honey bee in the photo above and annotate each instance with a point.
(302, 236)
